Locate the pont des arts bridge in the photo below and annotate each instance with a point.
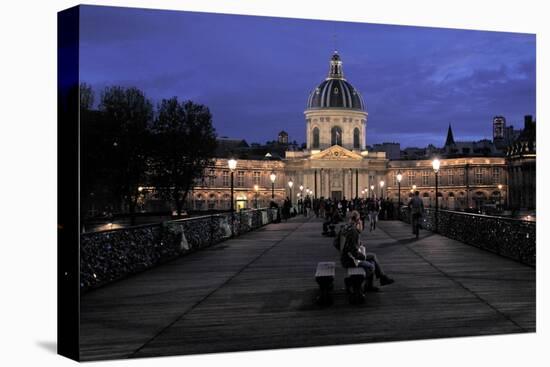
(189, 286)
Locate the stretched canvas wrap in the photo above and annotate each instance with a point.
(234, 183)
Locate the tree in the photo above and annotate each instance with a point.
(86, 97)
(128, 114)
(184, 142)
(91, 150)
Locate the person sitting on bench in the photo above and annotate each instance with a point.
(354, 254)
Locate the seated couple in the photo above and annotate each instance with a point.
(353, 254)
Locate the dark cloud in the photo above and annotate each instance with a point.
(255, 73)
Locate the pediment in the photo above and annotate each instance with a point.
(336, 152)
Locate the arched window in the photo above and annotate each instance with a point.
(212, 201)
(315, 137)
(356, 143)
(336, 136)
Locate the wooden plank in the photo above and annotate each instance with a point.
(356, 271)
(325, 269)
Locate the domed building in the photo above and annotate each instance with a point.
(336, 113)
(335, 163)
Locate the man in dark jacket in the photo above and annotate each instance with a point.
(416, 207)
(353, 255)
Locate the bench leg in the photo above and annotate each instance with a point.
(355, 283)
(325, 287)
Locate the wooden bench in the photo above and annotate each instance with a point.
(354, 282)
(324, 275)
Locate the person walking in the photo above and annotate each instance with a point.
(372, 208)
(416, 206)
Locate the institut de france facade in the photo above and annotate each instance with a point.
(337, 164)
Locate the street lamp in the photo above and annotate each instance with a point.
(256, 188)
(272, 177)
(372, 189)
(435, 165)
(381, 189)
(232, 163)
(290, 184)
(500, 196)
(399, 178)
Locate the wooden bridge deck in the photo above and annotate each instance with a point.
(257, 292)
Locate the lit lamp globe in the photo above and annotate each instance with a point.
(436, 164)
(290, 183)
(232, 163)
(399, 177)
(272, 177)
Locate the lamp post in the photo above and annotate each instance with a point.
(256, 188)
(290, 184)
(301, 206)
(272, 177)
(372, 189)
(435, 165)
(232, 163)
(500, 196)
(382, 189)
(399, 178)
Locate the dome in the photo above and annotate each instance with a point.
(335, 91)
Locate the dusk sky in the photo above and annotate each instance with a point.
(255, 73)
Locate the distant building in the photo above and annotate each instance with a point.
(463, 182)
(521, 158)
(283, 138)
(503, 135)
(392, 150)
(480, 148)
(336, 162)
(412, 153)
(227, 147)
(499, 124)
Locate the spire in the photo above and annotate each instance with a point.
(335, 71)
(450, 139)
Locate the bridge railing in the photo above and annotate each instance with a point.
(509, 237)
(109, 255)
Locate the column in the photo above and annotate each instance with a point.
(343, 182)
(315, 184)
(321, 183)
